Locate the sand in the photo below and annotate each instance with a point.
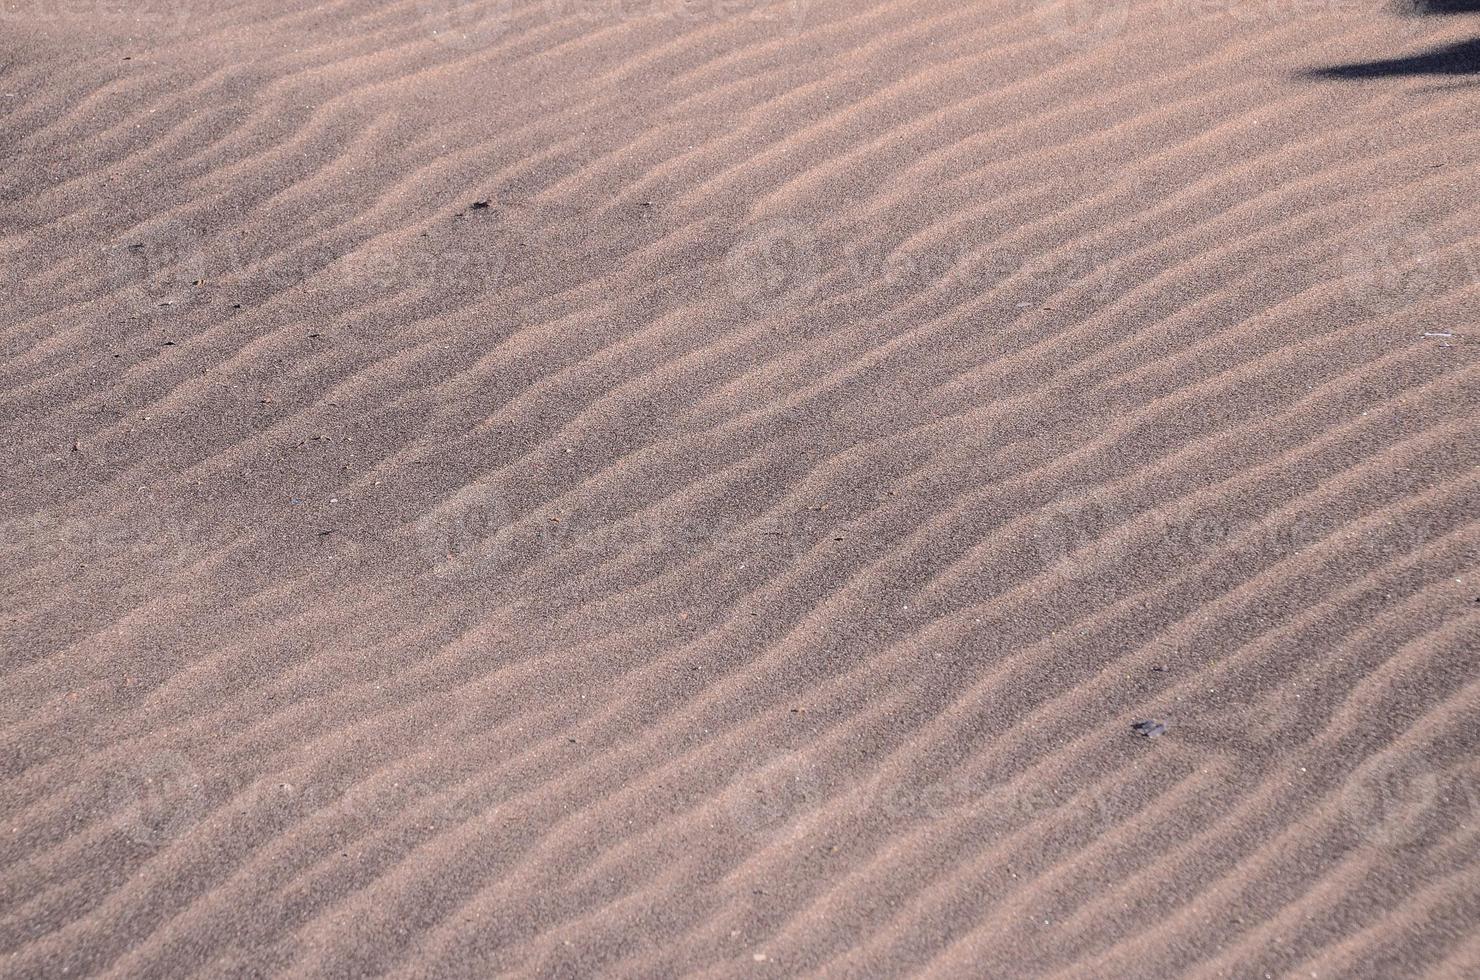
(561, 488)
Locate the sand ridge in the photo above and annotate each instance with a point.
(563, 488)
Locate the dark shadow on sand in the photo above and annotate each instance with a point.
(1439, 8)
(1455, 59)
(1462, 58)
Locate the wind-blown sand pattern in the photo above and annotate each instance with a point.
(561, 488)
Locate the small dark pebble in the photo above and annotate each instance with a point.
(1149, 729)
(480, 205)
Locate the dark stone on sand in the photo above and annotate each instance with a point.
(1149, 729)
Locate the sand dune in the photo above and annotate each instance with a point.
(565, 488)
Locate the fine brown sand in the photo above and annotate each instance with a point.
(743, 546)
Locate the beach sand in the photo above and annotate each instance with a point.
(560, 488)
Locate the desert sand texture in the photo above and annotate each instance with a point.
(567, 488)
